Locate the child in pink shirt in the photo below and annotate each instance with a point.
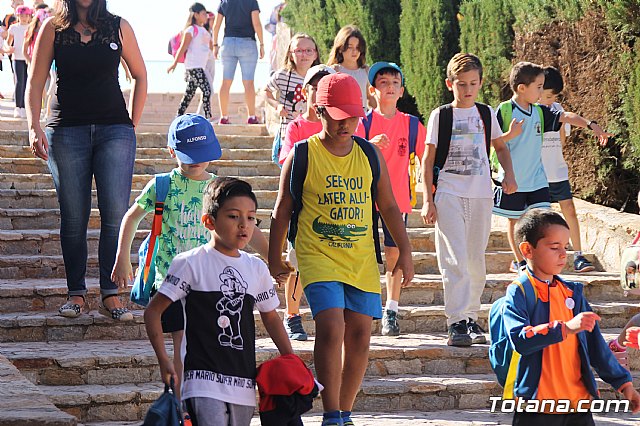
(307, 123)
(389, 130)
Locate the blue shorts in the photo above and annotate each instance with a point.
(515, 205)
(388, 239)
(239, 49)
(560, 191)
(323, 295)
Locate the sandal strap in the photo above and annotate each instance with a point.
(70, 306)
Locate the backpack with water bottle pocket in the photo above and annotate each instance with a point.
(503, 358)
(146, 272)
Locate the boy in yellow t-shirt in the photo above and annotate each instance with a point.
(334, 243)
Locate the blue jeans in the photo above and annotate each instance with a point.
(76, 155)
(239, 49)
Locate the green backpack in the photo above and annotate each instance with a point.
(505, 109)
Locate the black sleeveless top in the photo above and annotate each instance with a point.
(88, 89)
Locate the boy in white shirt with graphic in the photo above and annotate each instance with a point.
(218, 286)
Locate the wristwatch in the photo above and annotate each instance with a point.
(591, 123)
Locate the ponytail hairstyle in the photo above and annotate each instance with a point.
(193, 9)
(66, 15)
(34, 26)
(288, 63)
(341, 44)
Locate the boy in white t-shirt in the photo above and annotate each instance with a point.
(219, 285)
(557, 170)
(464, 195)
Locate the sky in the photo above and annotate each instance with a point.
(156, 21)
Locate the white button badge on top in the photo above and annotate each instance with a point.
(570, 303)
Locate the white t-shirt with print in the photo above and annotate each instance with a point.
(466, 171)
(18, 31)
(218, 295)
(555, 167)
(199, 48)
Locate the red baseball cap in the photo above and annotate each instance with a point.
(340, 94)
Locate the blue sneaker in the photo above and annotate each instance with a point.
(582, 265)
(293, 327)
(346, 421)
(333, 422)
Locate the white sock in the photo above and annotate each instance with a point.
(576, 254)
(392, 305)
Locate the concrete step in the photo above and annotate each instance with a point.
(91, 403)
(15, 129)
(37, 218)
(116, 362)
(34, 326)
(52, 266)
(150, 166)
(47, 198)
(26, 181)
(111, 362)
(47, 241)
(36, 295)
(24, 404)
(23, 151)
(25, 219)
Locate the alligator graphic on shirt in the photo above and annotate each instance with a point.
(334, 232)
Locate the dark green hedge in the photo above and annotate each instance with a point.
(428, 39)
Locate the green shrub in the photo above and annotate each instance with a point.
(428, 39)
(486, 30)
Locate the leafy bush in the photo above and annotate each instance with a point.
(428, 39)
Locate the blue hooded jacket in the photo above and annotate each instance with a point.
(593, 350)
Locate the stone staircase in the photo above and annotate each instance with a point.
(96, 371)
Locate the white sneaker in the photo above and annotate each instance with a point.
(16, 113)
(23, 113)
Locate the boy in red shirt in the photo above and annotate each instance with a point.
(389, 131)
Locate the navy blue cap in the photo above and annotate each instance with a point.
(192, 138)
(382, 65)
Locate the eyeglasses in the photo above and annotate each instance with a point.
(305, 51)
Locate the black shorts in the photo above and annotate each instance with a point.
(388, 239)
(560, 191)
(514, 205)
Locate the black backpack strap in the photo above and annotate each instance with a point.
(445, 123)
(374, 163)
(298, 176)
(366, 122)
(485, 115)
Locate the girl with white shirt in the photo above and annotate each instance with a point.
(15, 41)
(195, 46)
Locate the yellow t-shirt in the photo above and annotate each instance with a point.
(335, 240)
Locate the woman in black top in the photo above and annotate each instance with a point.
(89, 135)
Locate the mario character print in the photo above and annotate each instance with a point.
(234, 289)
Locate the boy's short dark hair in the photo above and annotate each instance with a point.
(463, 62)
(524, 73)
(220, 190)
(553, 80)
(387, 71)
(532, 225)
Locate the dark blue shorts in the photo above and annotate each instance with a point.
(388, 239)
(514, 205)
(560, 191)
